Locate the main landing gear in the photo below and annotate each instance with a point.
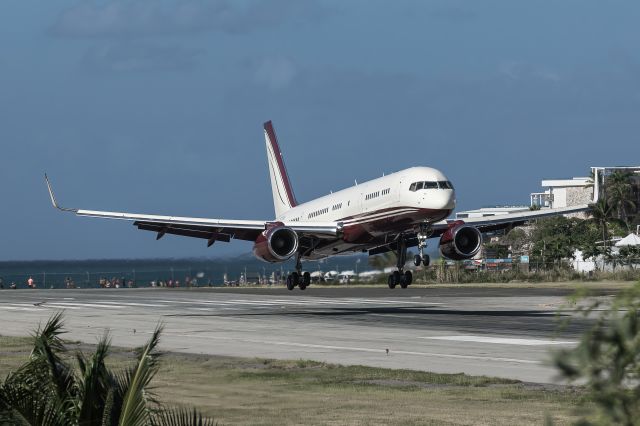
(404, 278)
(399, 277)
(298, 279)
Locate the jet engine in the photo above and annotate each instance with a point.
(460, 241)
(276, 244)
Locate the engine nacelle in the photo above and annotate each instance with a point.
(460, 241)
(276, 244)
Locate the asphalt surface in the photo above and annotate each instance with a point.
(497, 332)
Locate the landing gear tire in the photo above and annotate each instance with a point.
(293, 280)
(406, 279)
(392, 281)
(290, 284)
(306, 280)
(425, 232)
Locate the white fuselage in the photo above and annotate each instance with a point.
(394, 203)
(368, 197)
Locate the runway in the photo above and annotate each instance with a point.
(495, 332)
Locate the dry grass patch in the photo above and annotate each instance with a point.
(269, 392)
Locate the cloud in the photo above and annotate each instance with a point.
(518, 71)
(122, 57)
(454, 13)
(128, 19)
(275, 73)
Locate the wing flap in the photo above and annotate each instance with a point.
(194, 232)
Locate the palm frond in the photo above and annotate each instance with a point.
(60, 374)
(46, 368)
(109, 414)
(181, 417)
(50, 333)
(93, 384)
(135, 409)
(18, 406)
(39, 390)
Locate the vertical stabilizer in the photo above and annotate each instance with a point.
(283, 198)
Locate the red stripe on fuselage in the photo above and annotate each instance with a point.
(367, 229)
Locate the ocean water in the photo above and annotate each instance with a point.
(88, 273)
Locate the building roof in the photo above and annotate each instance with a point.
(629, 240)
(576, 181)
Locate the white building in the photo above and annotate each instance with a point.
(559, 193)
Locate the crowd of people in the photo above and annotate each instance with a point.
(114, 282)
(30, 283)
(188, 282)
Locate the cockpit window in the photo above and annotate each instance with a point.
(442, 184)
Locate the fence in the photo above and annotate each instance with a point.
(97, 279)
(447, 272)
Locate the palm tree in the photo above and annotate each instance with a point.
(620, 195)
(48, 391)
(602, 213)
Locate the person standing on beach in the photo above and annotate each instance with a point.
(31, 283)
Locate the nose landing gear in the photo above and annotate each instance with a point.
(423, 236)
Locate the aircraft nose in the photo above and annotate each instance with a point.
(449, 200)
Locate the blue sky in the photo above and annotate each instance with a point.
(157, 106)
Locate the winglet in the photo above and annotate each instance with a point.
(53, 198)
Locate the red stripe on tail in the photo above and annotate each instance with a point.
(273, 140)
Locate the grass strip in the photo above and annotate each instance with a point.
(256, 391)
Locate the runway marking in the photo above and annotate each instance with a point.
(380, 351)
(19, 308)
(86, 305)
(57, 306)
(502, 340)
(298, 302)
(153, 305)
(210, 309)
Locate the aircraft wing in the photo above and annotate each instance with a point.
(486, 224)
(493, 223)
(210, 229)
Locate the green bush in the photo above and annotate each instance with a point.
(607, 360)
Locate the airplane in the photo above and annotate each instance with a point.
(390, 213)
